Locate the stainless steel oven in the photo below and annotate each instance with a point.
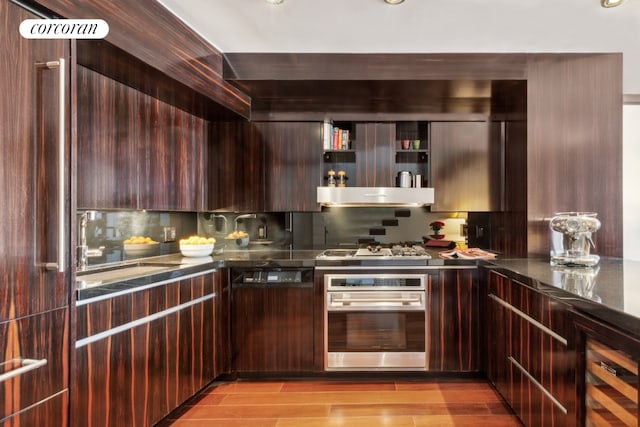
(375, 321)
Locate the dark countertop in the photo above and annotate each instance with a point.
(609, 292)
(99, 281)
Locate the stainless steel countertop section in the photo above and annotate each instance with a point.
(609, 292)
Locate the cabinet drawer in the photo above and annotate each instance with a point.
(52, 411)
(543, 310)
(43, 339)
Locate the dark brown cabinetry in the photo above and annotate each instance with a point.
(292, 164)
(236, 169)
(453, 321)
(264, 166)
(142, 354)
(530, 355)
(272, 326)
(35, 189)
(466, 166)
(375, 149)
(135, 151)
(608, 378)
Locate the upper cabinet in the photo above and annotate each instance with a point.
(466, 166)
(264, 166)
(292, 164)
(235, 168)
(135, 151)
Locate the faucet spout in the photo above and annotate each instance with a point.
(245, 216)
(82, 249)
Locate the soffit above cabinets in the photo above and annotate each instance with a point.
(301, 85)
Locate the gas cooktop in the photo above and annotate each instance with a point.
(394, 251)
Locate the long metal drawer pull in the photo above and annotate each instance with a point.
(140, 288)
(364, 300)
(529, 319)
(60, 65)
(538, 385)
(113, 331)
(374, 195)
(26, 365)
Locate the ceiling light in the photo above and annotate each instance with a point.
(611, 3)
(274, 1)
(393, 1)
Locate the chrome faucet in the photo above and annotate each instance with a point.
(82, 249)
(224, 221)
(247, 216)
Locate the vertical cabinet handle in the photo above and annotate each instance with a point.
(60, 65)
(26, 365)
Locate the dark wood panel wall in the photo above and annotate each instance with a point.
(149, 32)
(574, 144)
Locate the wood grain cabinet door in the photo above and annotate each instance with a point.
(466, 167)
(530, 354)
(374, 147)
(235, 169)
(108, 148)
(35, 181)
(141, 355)
(292, 156)
(273, 329)
(452, 321)
(135, 151)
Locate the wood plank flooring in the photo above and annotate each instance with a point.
(321, 403)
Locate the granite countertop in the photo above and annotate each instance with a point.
(609, 292)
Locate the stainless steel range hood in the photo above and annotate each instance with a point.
(375, 196)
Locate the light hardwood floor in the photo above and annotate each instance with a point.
(345, 403)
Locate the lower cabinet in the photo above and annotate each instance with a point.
(140, 355)
(608, 375)
(34, 384)
(453, 321)
(530, 354)
(272, 328)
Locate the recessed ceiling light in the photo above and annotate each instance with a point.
(393, 1)
(274, 1)
(611, 3)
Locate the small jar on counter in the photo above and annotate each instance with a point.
(342, 179)
(331, 180)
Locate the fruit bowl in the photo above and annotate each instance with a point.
(140, 249)
(196, 251)
(240, 238)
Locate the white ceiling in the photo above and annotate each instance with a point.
(419, 26)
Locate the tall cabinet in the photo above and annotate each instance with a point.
(34, 188)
